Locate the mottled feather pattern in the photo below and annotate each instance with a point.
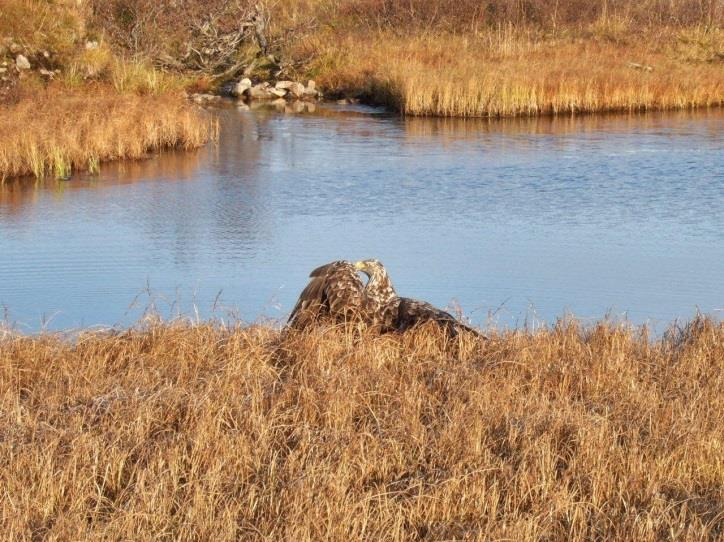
(378, 292)
(412, 312)
(337, 294)
(334, 293)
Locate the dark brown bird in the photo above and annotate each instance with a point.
(337, 294)
(394, 313)
(334, 294)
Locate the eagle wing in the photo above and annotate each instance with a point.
(411, 313)
(334, 292)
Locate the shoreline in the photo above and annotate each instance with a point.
(652, 330)
(207, 132)
(358, 98)
(459, 60)
(59, 133)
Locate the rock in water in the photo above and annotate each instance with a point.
(294, 88)
(260, 91)
(311, 90)
(284, 84)
(278, 92)
(297, 90)
(241, 87)
(205, 98)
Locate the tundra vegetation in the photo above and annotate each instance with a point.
(529, 57)
(73, 103)
(213, 431)
(448, 58)
(71, 132)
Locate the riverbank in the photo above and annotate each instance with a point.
(69, 102)
(57, 133)
(514, 72)
(450, 59)
(496, 58)
(211, 432)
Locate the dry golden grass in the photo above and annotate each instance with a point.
(55, 133)
(514, 72)
(206, 432)
(39, 25)
(89, 104)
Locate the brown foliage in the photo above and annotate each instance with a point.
(512, 72)
(184, 34)
(212, 433)
(57, 132)
(40, 26)
(465, 15)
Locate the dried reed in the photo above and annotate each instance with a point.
(514, 73)
(56, 133)
(206, 432)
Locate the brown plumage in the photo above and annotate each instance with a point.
(411, 313)
(337, 294)
(394, 313)
(334, 294)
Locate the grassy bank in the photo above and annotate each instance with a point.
(467, 58)
(464, 58)
(67, 131)
(522, 73)
(204, 432)
(76, 102)
(530, 57)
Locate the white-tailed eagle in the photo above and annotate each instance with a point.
(336, 293)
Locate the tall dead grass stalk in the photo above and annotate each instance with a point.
(57, 133)
(512, 72)
(206, 432)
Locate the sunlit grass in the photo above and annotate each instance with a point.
(92, 105)
(140, 78)
(215, 432)
(512, 73)
(55, 134)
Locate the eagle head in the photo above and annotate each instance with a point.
(379, 289)
(372, 268)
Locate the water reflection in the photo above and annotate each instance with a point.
(19, 195)
(669, 124)
(511, 216)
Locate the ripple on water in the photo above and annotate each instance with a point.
(516, 218)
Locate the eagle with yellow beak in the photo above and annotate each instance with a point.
(337, 294)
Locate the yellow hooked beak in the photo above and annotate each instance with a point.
(360, 266)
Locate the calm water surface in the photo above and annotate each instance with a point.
(506, 220)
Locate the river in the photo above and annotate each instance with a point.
(512, 222)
